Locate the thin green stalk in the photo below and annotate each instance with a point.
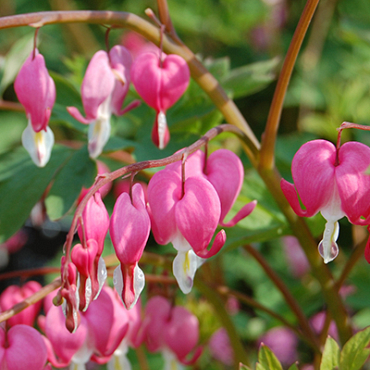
(214, 298)
(351, 262)
(289, 299)
(268, 143)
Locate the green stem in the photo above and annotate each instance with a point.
(214, 298)
(273, 120)
(355, 256)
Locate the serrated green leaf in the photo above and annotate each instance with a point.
(22, 185)
(354, 353)
(79, 171)
(330, 356)
(267, 359)
(249, 79)
(14, 60)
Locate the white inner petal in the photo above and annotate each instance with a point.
(38, 144)
(184, 267)
(162, 126)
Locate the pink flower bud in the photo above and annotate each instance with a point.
(160, 83)
(35, 90)
(129, 231)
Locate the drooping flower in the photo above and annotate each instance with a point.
(174, 331)
(185, 214)
(129, 230)
(15, 294)
(160, 83)
(332, 182)
(103, 91)
(87, 256)
(93, 339)
(22, 347)
(224, 170)
(35, 90)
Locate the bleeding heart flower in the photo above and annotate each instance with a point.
(172, 330)
(185, 214)
(15, 294)
(35, 90)
(22, 347)
(160, 83)
(224, 170)
(103, 91)
(331, 181)
(87, 256)
(129, 230)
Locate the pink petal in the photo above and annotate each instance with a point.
(244, 212)
(313, 170)
(160, 86)
(194, 165)
(198, 213)
(120, 61)
(26, 349)
(181, 333)
(35, 90)
(130, 226)
(157, 313)
(97, 86)
(353, 183)
(164, 191)
(15, 294)
(226, 173)
(96, 222)
(65, 344)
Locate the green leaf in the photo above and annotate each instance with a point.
(354, 353)
(14, 60)
(264, 223)
(330, 356)
(22, 185)
(67, 95)
(218, 67)
(267, 359)
(79, 171)
(249, 79)
(294, 367)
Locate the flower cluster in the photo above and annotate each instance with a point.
(159, 81)
(184, 210)
(173, 331)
